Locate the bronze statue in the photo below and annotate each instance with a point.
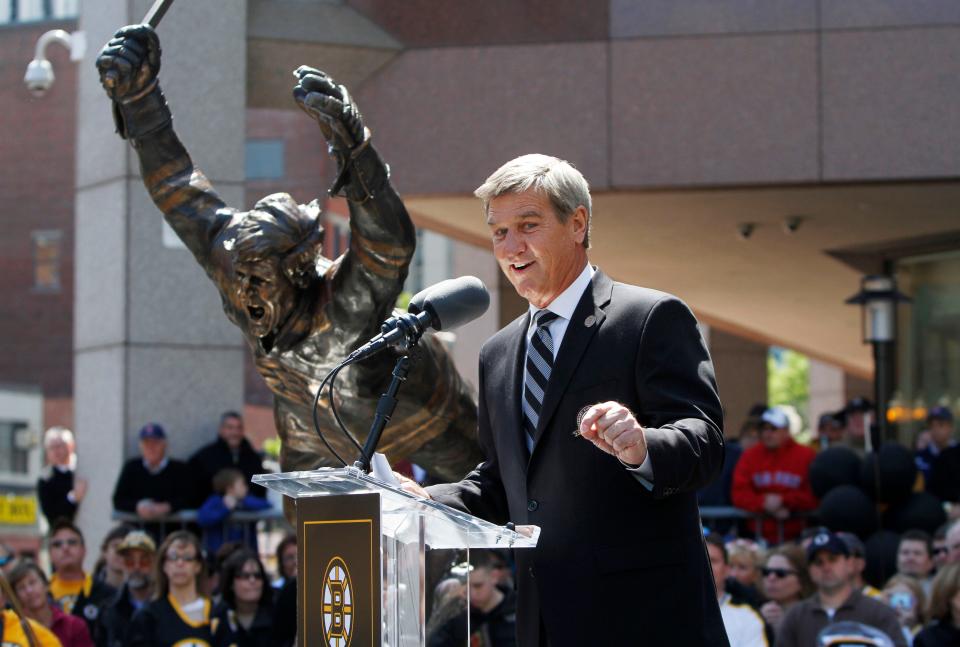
(302, 313)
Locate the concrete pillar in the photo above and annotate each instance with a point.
(741, 368)
(151, 341)
(826, 390)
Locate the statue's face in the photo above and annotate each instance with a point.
(264, 295)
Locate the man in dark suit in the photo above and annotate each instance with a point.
(599, 421)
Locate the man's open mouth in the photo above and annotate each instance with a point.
(519, 267)
(256, 313)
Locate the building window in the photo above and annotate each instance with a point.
(46, 261)
(33, 10)
(264, 159)
(15, 445)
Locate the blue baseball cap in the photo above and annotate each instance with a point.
(940, 413)
(152, 430)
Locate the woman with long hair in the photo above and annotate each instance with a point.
(244, 617)
(179, 613)
(31, 586)
(16, 629)
(943, 611)
(785, 582)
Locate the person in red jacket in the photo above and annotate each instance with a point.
(772, 477)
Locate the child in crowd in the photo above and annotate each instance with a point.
(230, 493)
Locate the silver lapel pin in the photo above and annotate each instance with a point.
(589, 321)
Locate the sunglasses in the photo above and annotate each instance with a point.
(60, 543)
(779, 572)
(143, 560)
(941, 550)
(175, 557)
(249, 576)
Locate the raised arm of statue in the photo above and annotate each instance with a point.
(382, 235)
(128, 66)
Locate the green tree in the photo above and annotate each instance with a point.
(788, 380)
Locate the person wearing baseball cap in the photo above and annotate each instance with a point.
(943, 480)
(153, 485)
(836, 598)
(772, 477)
(940, 432)
(858, 559)
(139, 556)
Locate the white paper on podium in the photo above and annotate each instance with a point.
(381, 470)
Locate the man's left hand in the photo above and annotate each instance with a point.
(611, 427)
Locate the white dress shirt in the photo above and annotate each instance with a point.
(563, 306)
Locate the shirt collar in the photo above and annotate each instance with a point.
(159, 468)
(566, 302)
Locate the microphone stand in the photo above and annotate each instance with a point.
(385, 408)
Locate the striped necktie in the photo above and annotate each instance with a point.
(537, 375)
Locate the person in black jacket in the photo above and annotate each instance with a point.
(244, 617)
(153, 485)
(139, 556)
(230, 449)
(59, 489)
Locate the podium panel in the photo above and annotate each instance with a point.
(363, 547)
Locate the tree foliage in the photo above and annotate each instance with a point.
(788, 380)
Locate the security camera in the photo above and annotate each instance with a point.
(745, 230)
(39, 77)
(792, 223)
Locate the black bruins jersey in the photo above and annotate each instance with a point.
(162, 622)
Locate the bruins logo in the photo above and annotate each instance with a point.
(337, 604)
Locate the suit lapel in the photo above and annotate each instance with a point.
(583, 326)
(511, 364)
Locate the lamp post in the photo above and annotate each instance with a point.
(878, 298)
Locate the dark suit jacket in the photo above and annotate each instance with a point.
(616, 564)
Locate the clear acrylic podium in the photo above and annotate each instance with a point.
(363, 550)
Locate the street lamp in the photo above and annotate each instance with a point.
(39, 77)
(878, 298)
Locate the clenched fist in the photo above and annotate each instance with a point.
(129, 63)
(333, 108)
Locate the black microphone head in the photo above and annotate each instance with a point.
(453, 302)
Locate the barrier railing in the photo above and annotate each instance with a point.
(723, 513)
(269, 525)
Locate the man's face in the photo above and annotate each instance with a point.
(771, 436)
(539, 255)
(483, 586)
(953, 544)
(856, 424)
(719, 567)
(153, 450)
(830, 572)
(263, 294)
(832, 432)
(941, 431)
(67, 550)
(58, 452)
(913, 558)
(231, 430)
(138, 567)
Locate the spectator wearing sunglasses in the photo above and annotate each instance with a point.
(74, 590)
(939, 549)
(785, 582)
(138, 553)
(244, 617)
(179, 613)
(905, 595)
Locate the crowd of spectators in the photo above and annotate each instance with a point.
(788, 573)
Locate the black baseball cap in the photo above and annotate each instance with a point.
(829, 542)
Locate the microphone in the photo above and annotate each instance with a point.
(444, 306)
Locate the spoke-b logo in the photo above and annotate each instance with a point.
(337, 604)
